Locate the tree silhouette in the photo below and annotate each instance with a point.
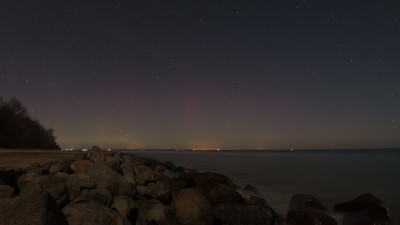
(19, 130)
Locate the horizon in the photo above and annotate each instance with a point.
(229, 74)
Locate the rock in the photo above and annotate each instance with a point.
(256, 201)
(114, 163)
(244, 214)
(302, 217)
(160, 191)
(61, 175)
(39, 169)
(205, 182)
(6, 191)
(81, 166)
(92, 213)
(307, 202)
(96, 155)
(376, 214)
(61, 166)
(161, 215)
(26, 178)
(249, 190)
(192, 208)
(171, 174)
(56, 187)
(361, 202)
(33, 206)
(77, 182)
(98, 195)
(145, 175)
(128, 172)
(144, 206)
(222, 193)
(126, 207)
(106, 178)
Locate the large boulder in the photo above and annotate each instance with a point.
(92, 213)
(365, 207)
(222, 193)
(160, 191)
(81, 166)
(205, 182)
(98, 195)
(27, 178)
(145, 175)
(244, 214)
(61, 166)
(305, 217)
(128, 172)
(106, 178)
(144, 206)
(161, 215)
(96, 155)
(126, 207)
(361, 202)
(114, 163)
(6, 191)
(56, 187)
(33, 206)
(77, 182)
(35, 167)
(192, 208)
(364, 217)
(307, 202)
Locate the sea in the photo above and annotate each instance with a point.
(332, 176)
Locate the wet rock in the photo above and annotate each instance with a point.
(361, 202)
(6, 191)
(126, 207)
(307, 202)
(92, 213)
(375, 214)
(98, 195)
(249, 190)
(77, 182)
(205, 182)
(81, 166)
(106, 178)
(222, 193)
(192, 208)
(305, 217)
(256, 201)
(33, 206)
(161, 215)
(241, 214)
(144, 206)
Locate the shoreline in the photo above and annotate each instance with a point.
(42, 156)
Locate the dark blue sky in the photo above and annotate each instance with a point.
(206, 74)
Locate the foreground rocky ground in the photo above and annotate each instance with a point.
(104, 188)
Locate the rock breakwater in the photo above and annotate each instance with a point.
(105, 187)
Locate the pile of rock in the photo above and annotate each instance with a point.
(103, 187)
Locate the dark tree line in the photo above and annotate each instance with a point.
(19, 130)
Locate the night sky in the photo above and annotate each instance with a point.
(270, 74)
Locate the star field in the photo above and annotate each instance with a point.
(206, 74)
